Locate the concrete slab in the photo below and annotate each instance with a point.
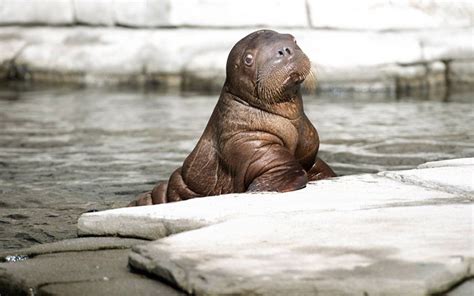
(222, 13)
(197, 56)
(388, 251)
(140, 13)
(458, 180)
(52, 12)
(341, 194)
(98, 12)
(103, 272)
(72, 245)
(448, 43)
(448, 163)
(465, 289)
(462, 73)
(389, 15)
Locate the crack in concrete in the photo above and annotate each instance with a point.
(413, 180)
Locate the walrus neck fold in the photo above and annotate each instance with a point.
(290, 110)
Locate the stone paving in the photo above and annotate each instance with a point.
(85, 266)
(394, 233)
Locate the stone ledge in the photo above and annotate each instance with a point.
(159, 221)
(99, 272)
(448, 163)
(334, 236)
(391, 251)
(440, 178)
(337, 14)
(194, 59)
(72, 245)
(416, 189)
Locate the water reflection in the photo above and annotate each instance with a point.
(66, 151)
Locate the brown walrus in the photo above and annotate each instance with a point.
(258, 137)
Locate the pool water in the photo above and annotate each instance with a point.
(66, 151)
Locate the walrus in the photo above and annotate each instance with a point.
(258, 137)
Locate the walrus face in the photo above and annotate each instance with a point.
(266, 67)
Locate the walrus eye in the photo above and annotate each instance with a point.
(248, 60)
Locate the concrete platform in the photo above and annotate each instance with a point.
(394, 233)
(195, 58)
(390, 251)
(86, 266)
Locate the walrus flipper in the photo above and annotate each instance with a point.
(280, 180)
(156, 196)
(320, 170)
(276, 170)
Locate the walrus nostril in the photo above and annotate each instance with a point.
(284, 51)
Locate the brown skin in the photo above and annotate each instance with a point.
(258, 137)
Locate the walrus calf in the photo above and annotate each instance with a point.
(258, 137)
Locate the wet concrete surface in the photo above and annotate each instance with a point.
(67, 151)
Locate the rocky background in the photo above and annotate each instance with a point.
(391, 46)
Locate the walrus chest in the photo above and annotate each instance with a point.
(308, 143)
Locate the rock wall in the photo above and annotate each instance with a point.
(371, 45)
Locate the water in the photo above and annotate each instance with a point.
(67, 151)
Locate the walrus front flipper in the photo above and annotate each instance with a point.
(276, 170)
(143, 199)
(156, 196)
(280, 180)
(320, 170)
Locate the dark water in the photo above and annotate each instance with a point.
(64, 152)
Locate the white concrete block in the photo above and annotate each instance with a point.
(85, 52)
(244, 13)
(457, 180)
(141, 13)
(448, 163)
(447, 44)
(390, 15)
(49, 12)
(341, 194)
(94, 12)
(462, 72)
(9, 49)
(173, 50)
(358, 49)
(388, 251)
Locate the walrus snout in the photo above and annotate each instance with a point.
(296, 78)
(286, 51)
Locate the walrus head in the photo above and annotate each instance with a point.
(266, 67)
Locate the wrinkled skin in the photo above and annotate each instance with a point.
(258, 137)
